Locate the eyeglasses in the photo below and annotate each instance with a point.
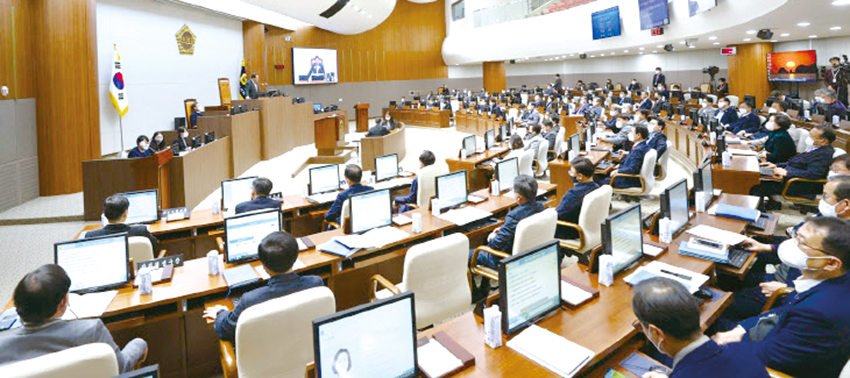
(802, 243)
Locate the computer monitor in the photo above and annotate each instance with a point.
(506, 171)
(504, 130)
(94, 264)
(469, 145)
(392, 103)
(489, 139)
(451, 189)
(703, 180)
(317, 108)
(376, 340)
(209, 137)
(674, 206)
(145, 372)
(694, 115)
(370, 210)
(622, 237)
(575, 143)
(197, 141)
(680, 110)
(244, 233)
(770, 100)
(386, 167)
(144, 206)
(529, 286)
(324, 179)
(236, 191)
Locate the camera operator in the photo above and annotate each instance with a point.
(835, 78)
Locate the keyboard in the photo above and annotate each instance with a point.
(175, 214)
(323, 197)
(759, 224)
(481, 223)
(737, 257)
(603, 165)
(600, 149)
(616, 156)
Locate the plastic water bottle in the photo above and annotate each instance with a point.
(216, 208)
(606, 270)
(145, 282)
(699, 199)
(212, 262)
(664, 233)
(493, 326)
(417, 223)
(494, 188)
(727, 158)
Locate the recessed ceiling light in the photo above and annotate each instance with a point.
(625, 51)
(692, 46)
(593, 56)
(716, 43)
(803, 24)
(602, 54)
(653, 51)
(773, 40)
(841, 2)
(712, 38)
(681, 42)
(835, 28)
(660, 46)
(641, 49)
(813, 36)
(751, 32)
(784, 35)
(747, 39)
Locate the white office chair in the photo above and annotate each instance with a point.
(513, 113)
(802, 135)
(594, 210)
(687, 97)
(344, 217)
(733, 100)
(524, 98)
(807, 105)
(845, 373)
(530, 232)
(87, 361)
(762, 120)
(662, 162)
(542, 161)
(838, 152)
(141, 250)
(455, 104)
(646, 176)
(275, 337)
(525, 163)
(559, 142)
(437, 272)
(124, 154)
(427, 183)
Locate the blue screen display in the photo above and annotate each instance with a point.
(606, 23)
(653, 13)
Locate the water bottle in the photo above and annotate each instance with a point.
(699, 199)
(494, 188)
(212, 262)
(664, 233)
(493, 326)
(145, 282)
(417, 222)
(216, 208)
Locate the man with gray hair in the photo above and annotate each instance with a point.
(833, 107)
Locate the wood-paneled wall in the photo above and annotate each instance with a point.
(406, 46)
(67, 111)
(17, 48)
(748, 71)
(494, 76)
(254, 49)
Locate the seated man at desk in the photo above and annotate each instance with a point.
(569, 209)
(426, 158)
(115, 210)
(657, 139)
(645, 103)
(262, 187)
(534, 141)
(726, 114)
(747, 123)
(533, 117)
(670, 319)
(809, 335)
(353, 175)
(834, 107)
(624, 127)
(550, 134)
(41, 298)
(193, 118)
(181, 144)
(378, 130)
(706, 110)
(278, 252)
(141, 150)
(633, 162)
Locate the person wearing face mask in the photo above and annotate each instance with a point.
(747, 123)
(706, 110)
(658, 78)
(181, 143)
(193, 118)
(633, 162)
(624, 127)
(669, 317)
(840, 167)
(726, 115)
(834, 107)
(645, 102)
(657, 139)
(559, 84)
(533, 117)
(658, 103)
(809, 335)
(426, 158)
(141, 150)
(722, 88)
(582, 106)
(697, 94)
(634, 86)
(158, 142)
(777, 108)
(813, 165)
(779, 146)
(835, 81)
(610, 120)
(388, 122)
(569, 209)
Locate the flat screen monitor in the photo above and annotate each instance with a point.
(236, 191)
(244, 233)
(324, 179)
(94, 264)
(451, 189)
(529, 286)
(370, 210)
(197, 141)
(469, 145)
(503, 136)
(575, 143)
(796, 66)
(606, 23)
(703, 181)
(376, 340)
(145, 372)
(696, 7)
(314, 66)
(622, 237)
(506, 171)
(209, 137)
(144, 206)
(386, 167)
(489, 139)
(674, 205)
(653, 13)
(317, 108)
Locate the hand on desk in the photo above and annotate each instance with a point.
(729, 337)
(652, 374)
(213, 311)
(752, 245)
(781, 172)
(768, 288)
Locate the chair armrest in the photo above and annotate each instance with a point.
(777, 295)
(219, 243)
(473, 262)
(660, 170)
(777, 374)
(628, 191)
(380, 280)
(580, 235)
(215, 232)
(326, 224)
(228, 359)
(799, 180)
(161, 254)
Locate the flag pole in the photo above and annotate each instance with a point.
(121, 127)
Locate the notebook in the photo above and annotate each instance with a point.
(240, 276)
(737, 212)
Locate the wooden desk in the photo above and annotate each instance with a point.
(420, 117)
(283, 126)
(105, 177)
(475, 124)
(244, 132)
(477, 178)
(198, 173)
(392, 143)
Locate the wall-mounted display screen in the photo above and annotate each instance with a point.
(606, 23)
(696, 7)
(796, 66)
(314, 66)
(653, 13)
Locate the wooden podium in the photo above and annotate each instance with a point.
(361, 112)
(105, 177)
(329, 133)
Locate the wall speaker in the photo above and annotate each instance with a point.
(583, 56)
(668, 48)
(765, 34)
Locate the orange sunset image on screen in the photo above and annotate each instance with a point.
(793, 66)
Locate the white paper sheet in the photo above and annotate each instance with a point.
(651, 250)
(654, 269)
(716, 234)
(552, 351)
(375, 238)
(573, 294)
(743, 152)
(91, 305)
(465, 215)
(436, 360)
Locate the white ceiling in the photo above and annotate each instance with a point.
(355, 17)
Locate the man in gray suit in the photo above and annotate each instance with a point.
(41, 298)
(534, 116)
(253, 87)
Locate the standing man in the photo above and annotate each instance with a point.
(253, 87)
(835, 80)
(559, 85)
(658, 78)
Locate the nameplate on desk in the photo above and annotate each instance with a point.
(575, 294)
(442, 356)
(175, 260)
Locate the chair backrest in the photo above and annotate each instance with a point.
(525, 163)
(124, 154)
(275, 338)
(346, 214)
(535, 230)
(838, 152)
(96, 360)
(513, 113)
(807, 104)
(802, 135)
(647, 171)
(845, 373)
(594, 210)
(712, 97)
(559, 141)
(762, 119)
(455, 105)
(687, 97)
(705, 87)
(733, 100)
(542, 162)
(140, 250)
(427, 185)
(437, 272)
(662, 161)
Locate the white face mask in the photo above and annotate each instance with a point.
(771, 111)
(809, 142)
(771, 126)
(632, 138)
(704, 105)
(743, 112)
(143, 146)
(831, 175)
(158, 139)
(791, 254)
(185, 135)
(636, 118)
(826, 209)
(619, 124)
(819, 99)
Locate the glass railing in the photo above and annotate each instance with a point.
(519, 9)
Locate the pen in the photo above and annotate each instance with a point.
(682, 276)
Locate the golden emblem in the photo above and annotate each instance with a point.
(185, 40)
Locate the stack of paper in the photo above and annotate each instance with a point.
(436, 360)
(743, 152)
(90, 305)
(716, 234)
(554, 352)
(691, 280)
(465, 215)
(573, 294)
(374, 238)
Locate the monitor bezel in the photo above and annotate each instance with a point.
(706, 165)
(608, 248)
(570, 146)
(437, 188)
(126, 264)
(503, 293)
(491, 132)
(669, 212)
(310, 179)
(141, 372)
(317, 323)
(233, 179)
(351, 209)
(474, 145)
(158, 207)
(376, 168)
(244, 215)
(502, 187)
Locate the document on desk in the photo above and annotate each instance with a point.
(573, 294)
(716, 234)
(436, 360)
(691, 280)
(374, 238)
(554, 352)
(464, 216)
(91, 305)
(396, 182)
(743, 152)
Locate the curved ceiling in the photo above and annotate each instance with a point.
(341, 16)
(566, 34)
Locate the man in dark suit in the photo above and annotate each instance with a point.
(633, 162)
(426, 158)
(645, 102)
(834, 79)
(747, 123)
(834, 107)
(657, 139)
(377, 131)
(569, 209)
(262, 187)
(725, 114)
(495, 109)
(658, 104)
(181, 143)
(670, 318)
(278, 252)
(809, 335)
(658, 78)
(722, 88)
(559, 84)
(634, 86)
(252, 88)
(115, 210)
(353, 175)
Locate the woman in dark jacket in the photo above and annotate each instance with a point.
(779, 147)
(158, 142)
